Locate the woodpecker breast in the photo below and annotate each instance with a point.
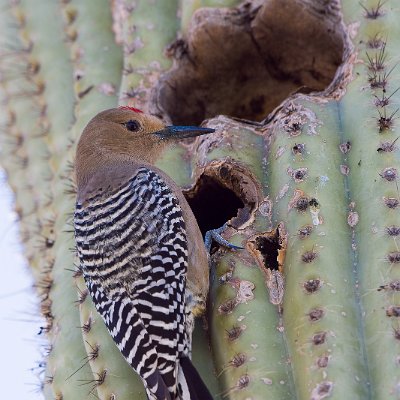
(133, 253)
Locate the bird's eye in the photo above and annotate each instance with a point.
(132, 125)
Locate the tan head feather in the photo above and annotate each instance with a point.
(118, 134)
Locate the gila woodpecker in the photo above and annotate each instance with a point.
(140, 248)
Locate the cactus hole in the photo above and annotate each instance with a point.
(224, 192)
(212, 203)
(244, 61)
(269, 247)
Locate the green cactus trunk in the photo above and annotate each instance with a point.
(303, 165)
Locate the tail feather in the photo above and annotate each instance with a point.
(156, 388)
(191, 385)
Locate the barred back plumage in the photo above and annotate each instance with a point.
(133, 253)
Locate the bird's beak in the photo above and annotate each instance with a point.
(181, 132)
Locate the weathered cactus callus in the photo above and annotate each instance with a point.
(309, 308)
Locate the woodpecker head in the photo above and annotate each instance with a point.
(126, 133)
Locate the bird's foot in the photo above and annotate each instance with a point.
(215, 234)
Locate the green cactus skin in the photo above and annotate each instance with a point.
(24, 101)
(53, 109)
(373, 183)
(97, 77)
(356, 139)
(253, 362)
(145, 32)
(246, 329)
(321, 316)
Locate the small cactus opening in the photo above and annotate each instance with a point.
(224, 192)
(212, 203)
(269, 250)
(269, 246)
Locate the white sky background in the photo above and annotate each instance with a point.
(19, 319)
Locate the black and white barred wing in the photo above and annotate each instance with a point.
(133, 254)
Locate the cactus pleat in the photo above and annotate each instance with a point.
(33, 123)
(310, 308)
(373, 183)
(320, 305)
(254, 359)
(26, 121)
(144, 33)
(97, 77)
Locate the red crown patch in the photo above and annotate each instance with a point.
(131, 108)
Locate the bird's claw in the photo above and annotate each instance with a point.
(215, 234)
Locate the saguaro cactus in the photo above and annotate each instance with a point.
(303, 167)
